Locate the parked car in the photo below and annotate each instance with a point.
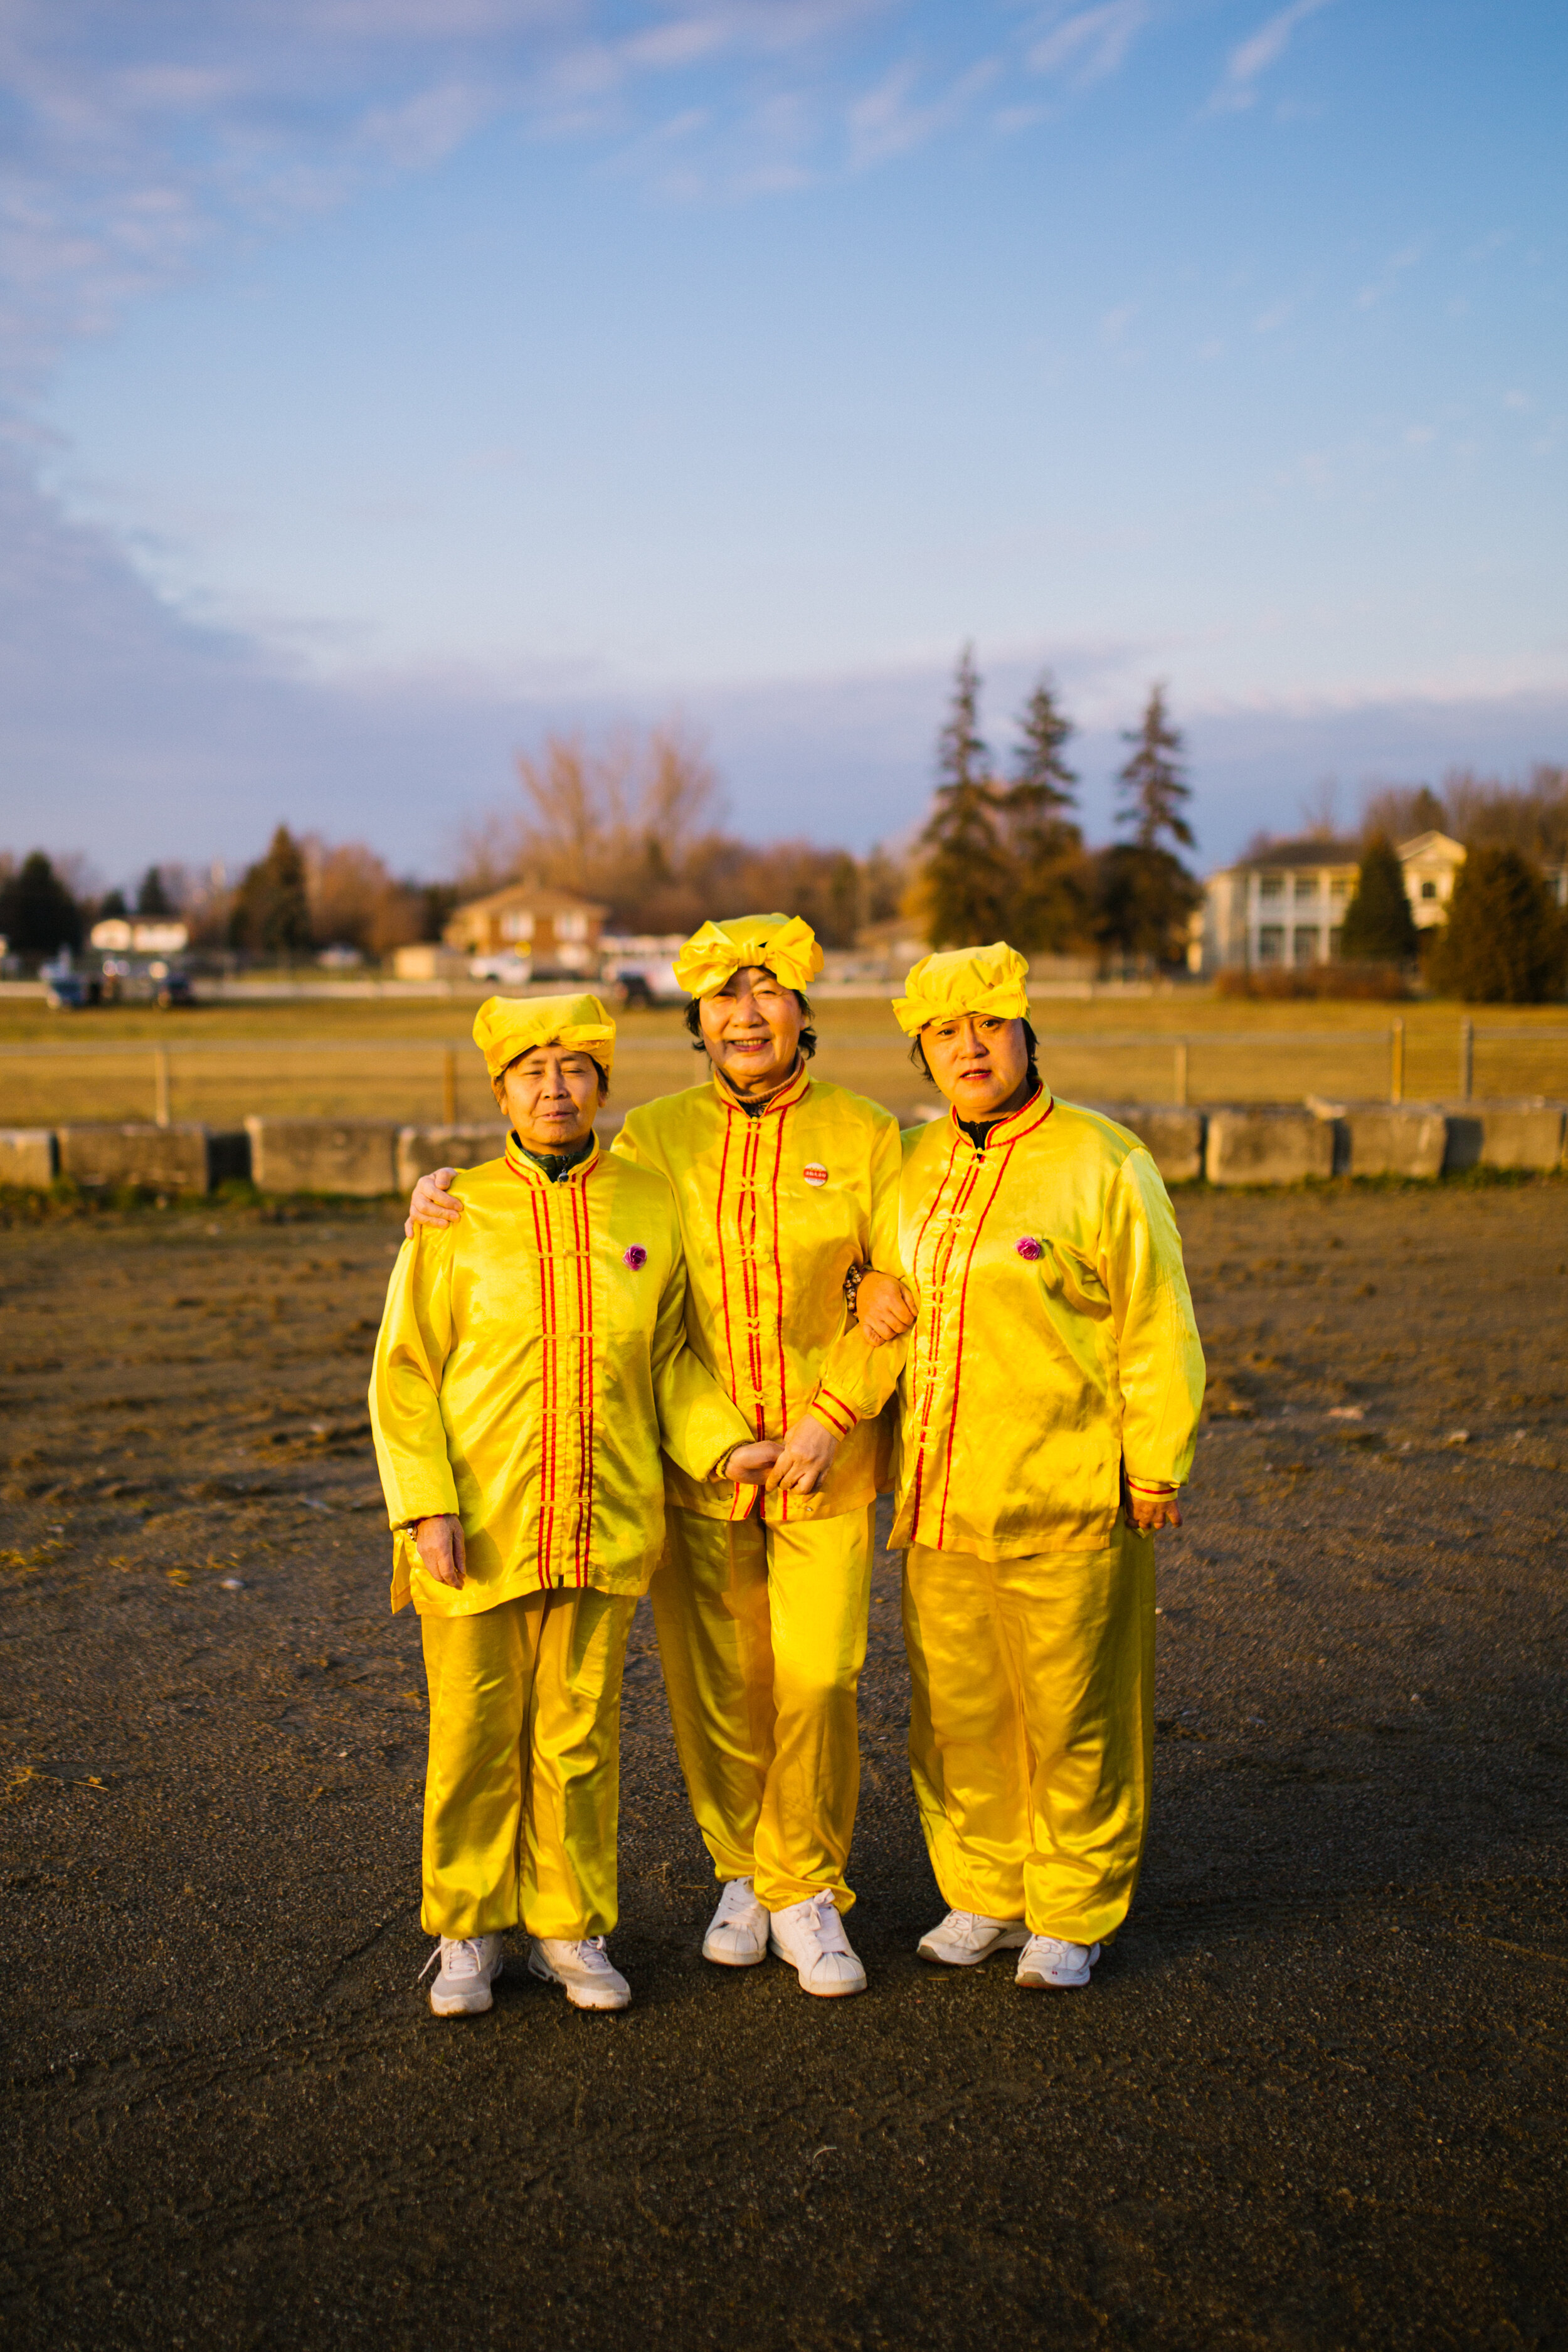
(130, 979)
(118, 979)
(69, 992)
(647, 983)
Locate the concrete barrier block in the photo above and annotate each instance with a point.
(1396, 1138)
(1172, 1134)
(355, 1156)
(176, 1159)
(28, 1156)
(1268, 1145)
(1526, 1133)
(420, 1149)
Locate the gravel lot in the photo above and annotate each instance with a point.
(1314, 2097)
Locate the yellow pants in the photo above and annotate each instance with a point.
(1032, 1730)
(523, 1783)
(762, 1637)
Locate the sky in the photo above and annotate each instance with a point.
(384, 382)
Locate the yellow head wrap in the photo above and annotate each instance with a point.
(786, 944)
(506, 1026)
(982, 981)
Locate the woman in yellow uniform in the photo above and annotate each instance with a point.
(787, 1193)
(531, 1364)
(785, 1186)
(1050, 1395)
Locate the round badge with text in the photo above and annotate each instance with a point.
(815, 1173)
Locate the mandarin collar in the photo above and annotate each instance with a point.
(1020, 1122)
(782, 1098)
(525, 1169)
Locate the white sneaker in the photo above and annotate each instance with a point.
(810, 1936)
(1048, 1965)
(470, 1966)
(583, 1968)
(737, 1933)
(965, 1937)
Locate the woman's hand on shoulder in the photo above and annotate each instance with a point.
(432, 1202)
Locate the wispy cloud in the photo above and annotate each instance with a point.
(136, 139)
(1393, 269)
(1252, 58)
(898, 115)
(1088, 45)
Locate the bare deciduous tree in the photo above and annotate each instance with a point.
(594, 818)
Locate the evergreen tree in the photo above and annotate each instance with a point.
(1143, 899)
(1145, 894)
(1379, 927)
(1154, 785)
(964, 874)
(1046, 905)
(112, 905)
(37, 914)
(1505, 942)
(152, 899)
(882, 884)
(271, 912)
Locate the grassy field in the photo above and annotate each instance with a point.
(378, 1059)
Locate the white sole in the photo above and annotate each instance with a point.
(474, 2008)
(1058, 1984)
(817, 1992)
(735, 1959)
(578, 1995)
(1011, 1940)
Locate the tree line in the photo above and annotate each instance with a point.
(1002, 855)
(1505, 939)
(631, 822)
(303, 894)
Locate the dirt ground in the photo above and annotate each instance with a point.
(1313, 2098)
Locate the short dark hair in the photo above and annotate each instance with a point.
(918, 1056)
(807, 1034)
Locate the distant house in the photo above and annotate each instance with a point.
(138, 935)
(1431, 861)
(1287, 905)
(548, 931)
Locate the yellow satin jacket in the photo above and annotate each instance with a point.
(1055, 1340)
(532, 1363)
(775, 1207)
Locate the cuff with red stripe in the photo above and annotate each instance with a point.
(839, 1417)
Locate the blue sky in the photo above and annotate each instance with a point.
(387, 380)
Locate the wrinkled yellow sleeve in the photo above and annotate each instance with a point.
(410, 1351)
(1159, 1356)
(857, 1377)
(698, 1424)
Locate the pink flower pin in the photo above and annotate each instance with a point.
(1028, 1247)
(636, 1256)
